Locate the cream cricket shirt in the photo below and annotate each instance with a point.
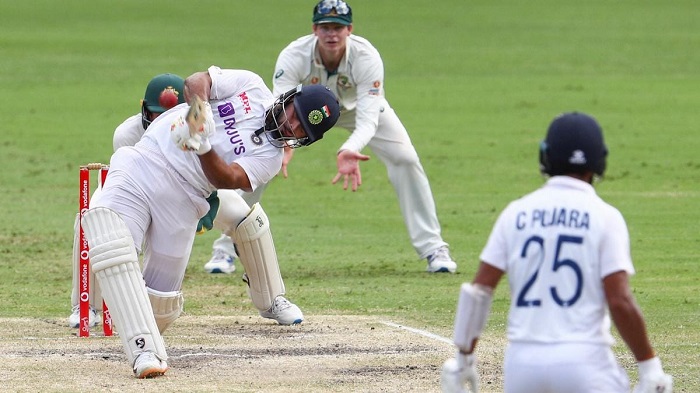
(358, 82)
(129, 132)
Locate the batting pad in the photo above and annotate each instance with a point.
(473, 309)
(257, 254)
(167, 307)
(114, 260)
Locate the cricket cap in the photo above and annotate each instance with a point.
(332, 11)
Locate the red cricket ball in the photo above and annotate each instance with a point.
(168, 98)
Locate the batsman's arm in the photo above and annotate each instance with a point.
(198, 84)
(626, 315)
(222, 175)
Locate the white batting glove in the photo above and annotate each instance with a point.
(652, 378)
(200, 118)
(457, 372)
(181, 136)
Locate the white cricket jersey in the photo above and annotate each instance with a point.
(239, 100)
(556, 245)
(358, 83)
(129, 132)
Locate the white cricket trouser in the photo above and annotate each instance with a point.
(224, 242)
(563, 368)
(160, 209)
(393, 146)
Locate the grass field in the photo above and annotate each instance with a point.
(476, 84)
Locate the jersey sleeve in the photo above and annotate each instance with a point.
(128, 132)
(615, 253)
(228, 82)
(369, 76)
(495, 252)
(289, 71)
(262, 166)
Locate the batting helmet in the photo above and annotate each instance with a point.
(152, 102)
(574, 144)
(316, 107)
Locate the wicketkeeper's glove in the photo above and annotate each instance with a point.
(652, 378)
(457, 372)
(206, 223)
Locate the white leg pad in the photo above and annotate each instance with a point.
(232, 210)
(473, 309)
(167, 307)
(114, 260)
(256, 252)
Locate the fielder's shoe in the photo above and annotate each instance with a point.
(148, 365)
(221, 262)
(74, 318)
(441, 262)
(284, 312)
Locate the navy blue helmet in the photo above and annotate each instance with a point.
(574, 144)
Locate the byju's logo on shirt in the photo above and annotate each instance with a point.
(226, 113)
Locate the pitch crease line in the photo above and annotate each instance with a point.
(419, 331)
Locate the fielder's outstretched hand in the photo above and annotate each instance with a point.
(349, 168)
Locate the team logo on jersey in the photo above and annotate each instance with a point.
(344, 82)
(255, 138)
(279, 73)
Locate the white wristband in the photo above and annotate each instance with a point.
(650, 367)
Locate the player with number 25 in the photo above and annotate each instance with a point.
(567, 256)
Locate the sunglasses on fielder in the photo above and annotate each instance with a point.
(327, 6)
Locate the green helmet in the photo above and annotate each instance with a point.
(159, 96)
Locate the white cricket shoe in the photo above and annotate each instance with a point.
(284, 312)
(441, 262)
(148, 365)
(221, 262)
(74, 318)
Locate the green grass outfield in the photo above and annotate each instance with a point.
(475, 82)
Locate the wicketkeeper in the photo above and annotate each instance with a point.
(163, 92)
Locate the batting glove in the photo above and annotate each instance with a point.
(457, 372)
(181, 136)
(652, 378)
(206, 223)
(200, 118)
